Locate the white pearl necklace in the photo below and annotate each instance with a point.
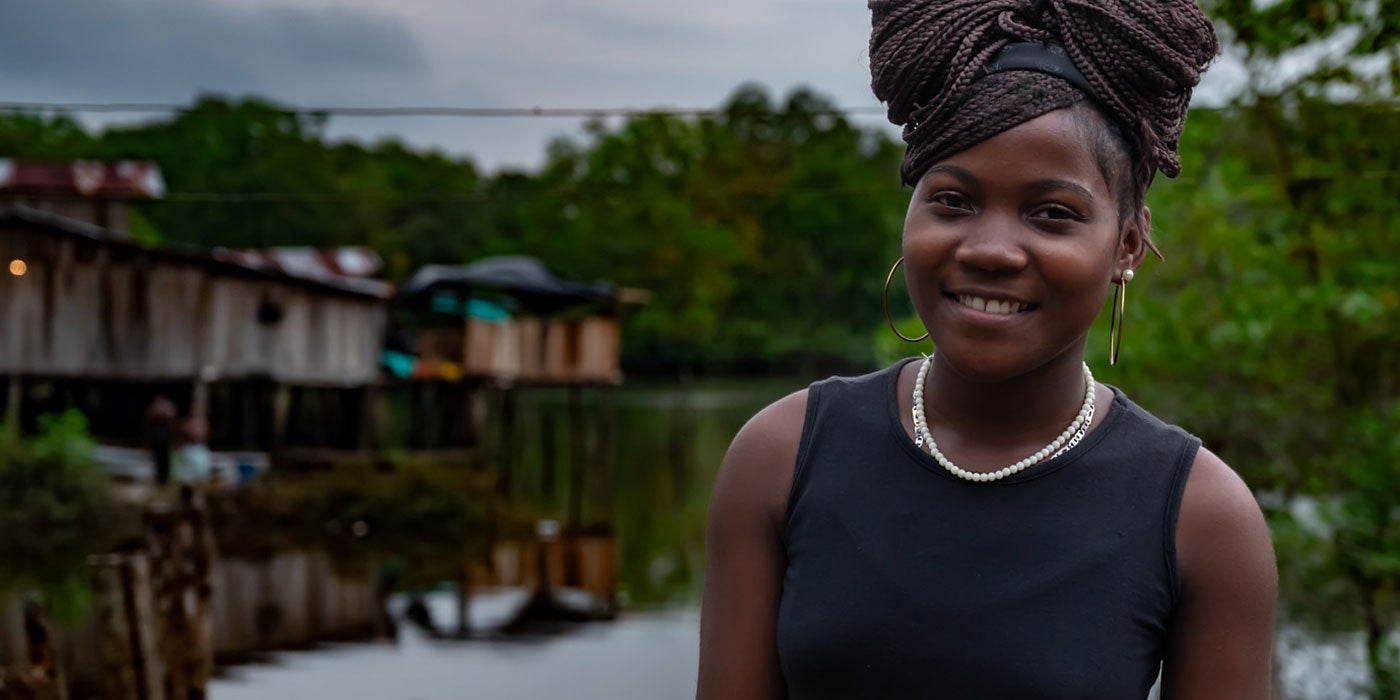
(1068, 439)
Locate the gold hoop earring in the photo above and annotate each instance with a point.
(890, 320)
(1117, 315)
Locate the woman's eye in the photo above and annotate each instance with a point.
(1057, 212)
(950, 200)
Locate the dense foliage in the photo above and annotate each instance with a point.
(53, 512)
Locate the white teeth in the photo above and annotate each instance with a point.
(992, 307)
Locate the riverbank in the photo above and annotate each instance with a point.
(640, 656)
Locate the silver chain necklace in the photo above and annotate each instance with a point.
(1068, 439)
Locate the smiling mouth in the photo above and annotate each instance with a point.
(992, 306)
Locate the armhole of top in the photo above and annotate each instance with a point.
(1178, 490)
(809, 419)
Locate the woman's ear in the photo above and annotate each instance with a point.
(1136, 241)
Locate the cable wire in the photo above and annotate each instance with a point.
(424, 111)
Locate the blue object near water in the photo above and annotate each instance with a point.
(398, 363)
(487, 311)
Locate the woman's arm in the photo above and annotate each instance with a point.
(745, 560)
(1222, 636)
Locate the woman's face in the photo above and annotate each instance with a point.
(1010, 248)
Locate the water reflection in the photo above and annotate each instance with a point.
(667, 445)
(642, 656)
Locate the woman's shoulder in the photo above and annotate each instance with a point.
(1130, 411)
(756, 474)
(873, 379)
(1220, 528)
(1215, 497)
(1222, 630)
(777, 428)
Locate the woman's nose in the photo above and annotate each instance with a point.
(994, 246)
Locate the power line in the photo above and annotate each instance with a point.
(588, 189)
(421, 111)
(451, 197)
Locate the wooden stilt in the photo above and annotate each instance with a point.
(549, 455)
(372, 414)
(464, 593)
(604, 458)
(14, 397)
(281, 410)
(126, 627)
(41, 677)
(507, 449)
(578, 458)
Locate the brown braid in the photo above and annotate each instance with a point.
(1142, 57)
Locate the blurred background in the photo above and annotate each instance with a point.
(361, 349)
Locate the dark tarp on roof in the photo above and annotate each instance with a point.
(521, 277)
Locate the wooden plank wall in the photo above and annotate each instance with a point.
(585, 350)
(90, 310)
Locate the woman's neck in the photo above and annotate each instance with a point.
(1027, 407)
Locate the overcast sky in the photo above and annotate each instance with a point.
(460, 53)
(467, 53)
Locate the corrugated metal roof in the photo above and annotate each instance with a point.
(214, 260)
(316, 263)
(127, 179)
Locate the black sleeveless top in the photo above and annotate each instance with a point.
(904, 581)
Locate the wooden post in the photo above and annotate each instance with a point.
(281, 407)
(248, 414)
(578, 458)
(126, 627)
(199, 392)
(182, 552)
(41, 675)
(371, 435)
(14, 396)
(549, 455)
(507, 449)
(429, 418)
(119, 654)
(604, 457)
(200, 569)
(464, 592)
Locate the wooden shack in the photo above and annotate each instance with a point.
(92, 319)
(509, 320)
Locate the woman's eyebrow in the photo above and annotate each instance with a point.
(1041, 186)
(963, 176)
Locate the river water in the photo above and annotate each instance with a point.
(668, 443)
(641, 656)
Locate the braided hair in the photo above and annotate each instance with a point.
(929, 63)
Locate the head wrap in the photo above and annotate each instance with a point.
(956, 72)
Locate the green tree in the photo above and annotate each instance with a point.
(1279, 296)
(35, 136)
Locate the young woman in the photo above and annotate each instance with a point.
(990, 522)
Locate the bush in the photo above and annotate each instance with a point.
(53, 511)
